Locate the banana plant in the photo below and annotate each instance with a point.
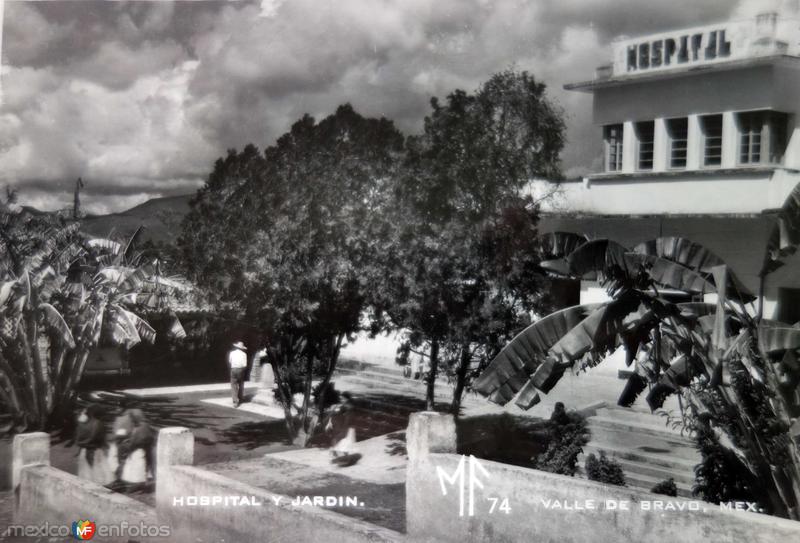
(61, 296)
(731, 371)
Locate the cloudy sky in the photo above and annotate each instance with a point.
(139, 98)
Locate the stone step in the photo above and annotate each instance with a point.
(643, 482)
(642, 442)
(384, 378)
(408, 389)
(383, 415)
(668, 461)
(661, 473)
(600, 421)
(638, 416)
(634, 479)
(355, 365)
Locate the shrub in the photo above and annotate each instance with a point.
(567, 436)
(720, 476)
(604, 470)
(666, 488)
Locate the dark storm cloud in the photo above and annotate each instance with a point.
(139, 98)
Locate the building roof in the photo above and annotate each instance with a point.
(607, 81)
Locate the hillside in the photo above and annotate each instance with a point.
(161, 218)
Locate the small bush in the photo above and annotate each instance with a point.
(567, 435)
(666, 488)
(720, 476)
(604, 470)
(332, 396)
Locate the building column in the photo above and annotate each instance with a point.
(660, 142)
(730, 139)
(629, 147)
(694, 143)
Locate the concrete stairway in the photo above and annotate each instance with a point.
(384, 399)
(648, 451)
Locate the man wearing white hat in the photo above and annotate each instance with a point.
(237, 360)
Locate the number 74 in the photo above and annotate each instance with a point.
(504, 507)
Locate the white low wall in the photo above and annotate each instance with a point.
(51, 498)
(548, 508)
(266, 516)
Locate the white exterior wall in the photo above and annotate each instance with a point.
(687, 193)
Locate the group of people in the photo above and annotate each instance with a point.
(130, 433)
(418, 367)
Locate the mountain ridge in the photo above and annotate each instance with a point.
(160, 217)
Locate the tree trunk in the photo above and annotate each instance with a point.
(323, 388)
(285, 399)
(429, 398)
(307, 397)
(461, 379)
(38, 368)
(30, 353)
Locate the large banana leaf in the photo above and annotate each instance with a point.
(510, 369)
(175, 330)
(635, 385)
(55, 322)
(105, 246)
(550, 346)
(560, 244)
(598, 335)
(548, 374)
(6, 289)
(128, 329)
(556, 246)
(600, 255)
(785, 235)
(145, 331)
(681, 251)
(671, 275)
(528, 396)
(139, 275)
(590, 334)
(556, 266)
(773, 338)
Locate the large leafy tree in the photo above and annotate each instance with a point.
(285, 240)
(737, 377)
(61, 295)
(460, 270)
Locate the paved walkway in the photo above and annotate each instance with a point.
(382, 504)
(383, 459)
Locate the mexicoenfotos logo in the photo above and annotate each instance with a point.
(83, 529)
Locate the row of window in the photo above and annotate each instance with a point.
(761, 134)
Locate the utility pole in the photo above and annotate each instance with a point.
(76, 206)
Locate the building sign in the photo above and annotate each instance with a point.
(764, 35)
(681, 49)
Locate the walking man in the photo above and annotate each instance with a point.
(131, 433)
(237, 360)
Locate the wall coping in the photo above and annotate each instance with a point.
(636, 494)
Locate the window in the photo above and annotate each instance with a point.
(612, 135)
(678, 134)
(645, 134)
(788, 309)
(712, 140)
(762, 137)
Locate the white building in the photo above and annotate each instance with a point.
(701, 132)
